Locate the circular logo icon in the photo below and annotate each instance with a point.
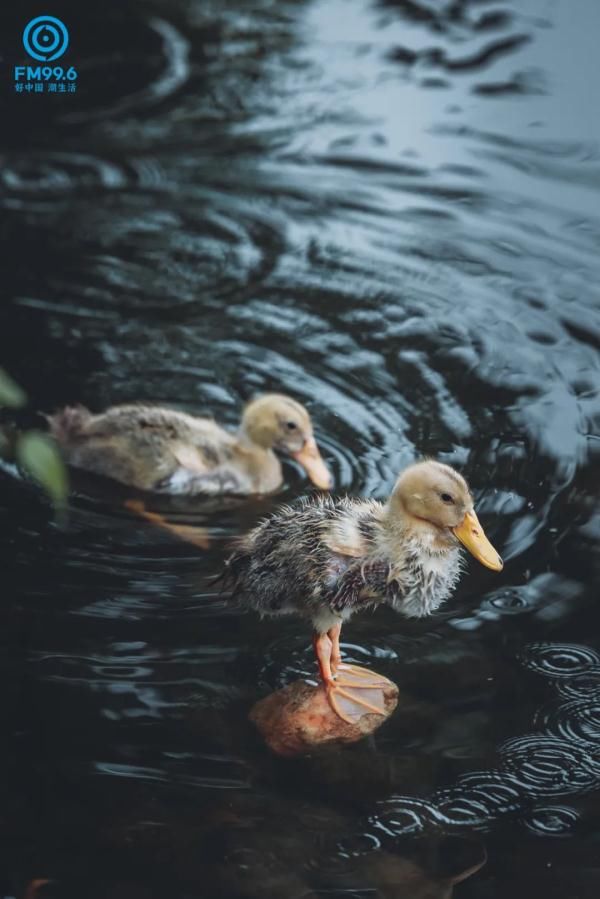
(46, 38)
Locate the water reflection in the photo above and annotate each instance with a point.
(388, 210)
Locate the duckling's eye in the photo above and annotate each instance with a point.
(291, 425)
(446, 498)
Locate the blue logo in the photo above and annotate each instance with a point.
(46, 38)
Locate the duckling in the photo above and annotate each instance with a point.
(166, 451)
(325, 559)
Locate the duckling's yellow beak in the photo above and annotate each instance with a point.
(311, 461)
(470, 533)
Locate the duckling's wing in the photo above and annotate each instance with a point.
(362, 583)
(189, 481)
(350, 531)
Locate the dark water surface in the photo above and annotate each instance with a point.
(391, 211)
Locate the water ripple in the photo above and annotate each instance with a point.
(552, 820)
(559, 660)
(578, 720)
(405, 816)
(477, 799)
(549, 766)
(171, 76)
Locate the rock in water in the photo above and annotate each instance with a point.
(299, 719)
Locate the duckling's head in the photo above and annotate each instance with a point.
(274, 421)
(434, 502)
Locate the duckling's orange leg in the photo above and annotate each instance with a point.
(336, 653)
(345, 684)
(323, 650)
(190, 533)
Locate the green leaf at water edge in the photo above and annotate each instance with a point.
(10, 393)
(39, 456)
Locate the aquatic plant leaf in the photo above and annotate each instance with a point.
(39, 456)
(10, 393)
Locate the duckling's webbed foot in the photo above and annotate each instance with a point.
(352, 691)
(356, 692)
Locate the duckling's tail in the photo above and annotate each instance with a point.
(69, 424)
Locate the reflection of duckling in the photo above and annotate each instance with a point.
(398, 877)
(32, 890)
(326, 559)
(158, 449)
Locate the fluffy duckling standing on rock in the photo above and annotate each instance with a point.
(163, 450)
(325, 559)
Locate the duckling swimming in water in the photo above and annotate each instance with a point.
(325, 559)
(166, 451)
